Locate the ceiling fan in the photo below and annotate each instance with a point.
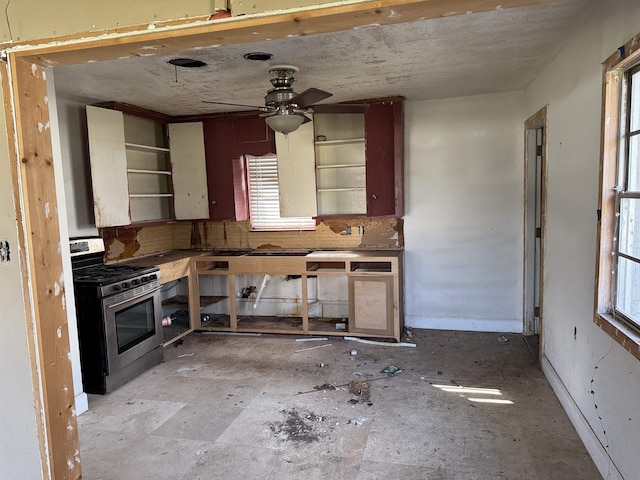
(284, 110)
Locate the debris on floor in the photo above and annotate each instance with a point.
(358, 422)
(382, 343)
(297, 427)
(503, 339)
(391, 371)
(354, 352)
(361, 389)
(312, 348)
(324, 386)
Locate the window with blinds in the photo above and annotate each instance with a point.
(264, 197)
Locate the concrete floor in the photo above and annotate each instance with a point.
(230, 407)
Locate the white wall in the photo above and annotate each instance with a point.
(463, 227)
(62, 139)
(572, 88)
(19, 446)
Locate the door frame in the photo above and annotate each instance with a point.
(25, 97)
(538, 120)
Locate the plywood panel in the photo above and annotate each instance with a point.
(108, 166)
(371, 304)
(296, 172)
(189, 171)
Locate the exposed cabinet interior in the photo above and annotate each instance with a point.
(143, 170)
(340, 164)
(315, 293)
(175, 309)
(148, 170)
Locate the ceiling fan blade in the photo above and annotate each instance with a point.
(236, 105)
(306, 119)
(309, 97)
(341, 108)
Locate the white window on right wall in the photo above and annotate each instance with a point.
(618, 275)
(627, 292)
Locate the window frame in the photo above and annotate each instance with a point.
(616, 67)
(278, 225)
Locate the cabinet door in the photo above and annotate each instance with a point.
(296, 172)
(226, 141)
(108, 160)
(371, 304)
(188, 171)
(384, 134)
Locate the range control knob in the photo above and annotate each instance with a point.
(144, 279)
(125, 284)
(135, 281)
(116, 288)
(153, 276)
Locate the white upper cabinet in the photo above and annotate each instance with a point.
(189, 170)
(141, 174)
(108, 160)
(296, 172)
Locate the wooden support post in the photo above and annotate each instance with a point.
(44, 266)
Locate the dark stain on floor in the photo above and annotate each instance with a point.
(297, 426)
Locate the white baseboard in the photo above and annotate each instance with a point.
(465, 324)
(593, 445)
(82, 403)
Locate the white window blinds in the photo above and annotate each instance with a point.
(264, 197)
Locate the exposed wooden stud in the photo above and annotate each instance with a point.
(45, 266)
(110, 45)
(22, 254)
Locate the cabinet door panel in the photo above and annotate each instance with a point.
(371, 304)
(108, 160)
(296, 172)
(226, 140)
(384, 183)
(189, 172)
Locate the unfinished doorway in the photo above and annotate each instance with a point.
(534, 215)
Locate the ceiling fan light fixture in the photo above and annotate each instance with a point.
(284, 123)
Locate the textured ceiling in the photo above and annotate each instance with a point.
(497, 51)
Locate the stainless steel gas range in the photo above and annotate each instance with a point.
(119, 317)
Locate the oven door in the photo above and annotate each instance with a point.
(133, 325)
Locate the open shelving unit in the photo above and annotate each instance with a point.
(340, 164)
(148, 169)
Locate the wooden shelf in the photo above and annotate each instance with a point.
(146, 171)
(206, 300)
(341, 165)
(346, 141)
(145, 148)
(183, 300)
(150, 195)
(350, 189)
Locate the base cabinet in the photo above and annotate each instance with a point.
(371, 305)
(320, 293)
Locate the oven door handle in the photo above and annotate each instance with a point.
(114, 305)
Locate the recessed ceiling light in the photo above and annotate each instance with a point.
(187, 63)
(258, 56)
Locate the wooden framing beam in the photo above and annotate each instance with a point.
(110, 45)
(44, 261)
(31, 337)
